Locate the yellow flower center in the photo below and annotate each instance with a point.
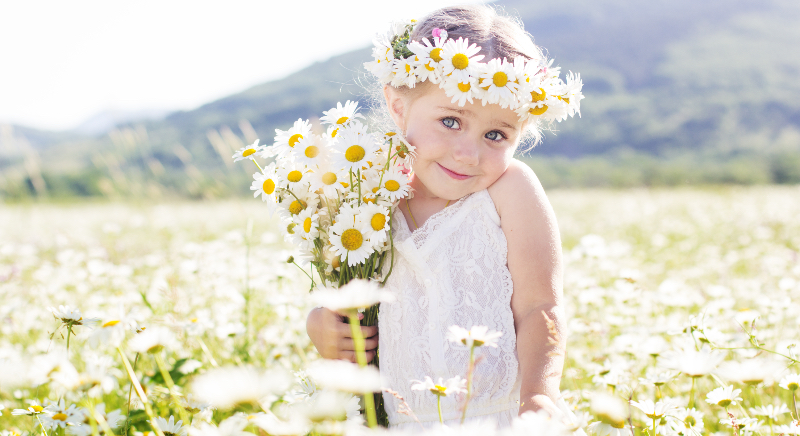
(296, 207)
(390, 133)
(690, 421)
(352, 239)
(355, 153)
(307, 225)
(341, 120)
(793, 386)
(248, 152)
(392, 185)
(335, 131)
(464, 87)
(429, 67)
(618, 424)
(295, 139)
(378, 221)
(290, 228)
(37, 409)
(538, 110)
(566, 99)
(329, 178)
(436, 54)
(724, 403)
(312, 151)
(268, 186)
(500, 79)
(536, 96)
(460, 61)
(60, 417)
(440, 388)
(294, 176)
(111, 323)
(408, 68)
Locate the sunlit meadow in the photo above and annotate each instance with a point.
(682, 306)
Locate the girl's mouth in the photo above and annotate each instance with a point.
(453, 174)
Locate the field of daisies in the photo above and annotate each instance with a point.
(186, 319)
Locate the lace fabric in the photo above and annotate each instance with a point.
(451, 271)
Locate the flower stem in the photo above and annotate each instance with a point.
(439, 407)
(654, 420)
(69, 333)
(140, 392)
(470, 370)
(171, 385)
(691, 395)
(361, 357)
(130, 391)
(259, 166)
(794, 404)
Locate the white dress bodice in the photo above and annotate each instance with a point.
(451, 271)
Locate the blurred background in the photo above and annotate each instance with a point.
(150, 99)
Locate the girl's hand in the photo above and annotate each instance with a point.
(331, 334)
(541, 402)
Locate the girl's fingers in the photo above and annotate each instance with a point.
(351, 356)
(344, 330)
(346, 344)
(371, 343)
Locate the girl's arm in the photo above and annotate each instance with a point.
(534, 260)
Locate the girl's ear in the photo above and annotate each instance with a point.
(396, 106)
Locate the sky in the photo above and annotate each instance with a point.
(61, 62)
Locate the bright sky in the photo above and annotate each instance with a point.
(63, 61)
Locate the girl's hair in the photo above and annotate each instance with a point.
(499, 36)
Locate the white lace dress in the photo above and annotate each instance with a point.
(451, 271)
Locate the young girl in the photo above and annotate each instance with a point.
(478, 243)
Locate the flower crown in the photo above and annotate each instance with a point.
(531, 87)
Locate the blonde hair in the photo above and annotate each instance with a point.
(498, 36)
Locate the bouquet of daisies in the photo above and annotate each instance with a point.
(335, 192)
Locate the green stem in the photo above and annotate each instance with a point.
(361, 357)
(259, 166)
(171, 385)
(470, 369)
(691, 395)
(139, 391)
(439, 407)
(207, 352)
(130, 392)
(794, 404)
(654, 424)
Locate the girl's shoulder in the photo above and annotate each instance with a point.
(519, 194)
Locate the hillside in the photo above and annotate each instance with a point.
(709, 83)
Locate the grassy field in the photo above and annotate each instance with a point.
(670, 294)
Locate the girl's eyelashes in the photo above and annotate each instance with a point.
(450, 123)
(495, 135)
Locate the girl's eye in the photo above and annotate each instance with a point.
(450, 123)
(494, 135)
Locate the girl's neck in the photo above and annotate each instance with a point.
(423, 205)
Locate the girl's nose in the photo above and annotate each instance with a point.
(466, 151)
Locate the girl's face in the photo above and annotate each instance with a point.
(460, 150)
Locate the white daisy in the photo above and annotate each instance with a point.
(603, 429)
(429, 57)
(153, 340)
(171, 428)
(688, 422)
(285, 141)
(462, 92)
(248, 152)
(406, 153)
(294, 204)
(770, 411)
(311, 150)
(35, 408)
(329, 180)
(58, 415)
(475, 337)
(68, 315)
(654, 410)
(265, 184)
(426, 70)
(349, 237)
(724, 396)
(341, 115)
(381, 65)
(460, 60)
(572, 94)
(499, 80)
(404, 72)
(345, 376)
(790, 382)
(306, 229)
(442, 388)
(691, 362)
(356, 294)
(225, 387)
(352, 150)
(293, 176)
(377, 217)
(394, 185)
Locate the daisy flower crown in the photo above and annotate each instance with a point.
(530, 87)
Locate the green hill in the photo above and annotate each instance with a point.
(676, 92)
